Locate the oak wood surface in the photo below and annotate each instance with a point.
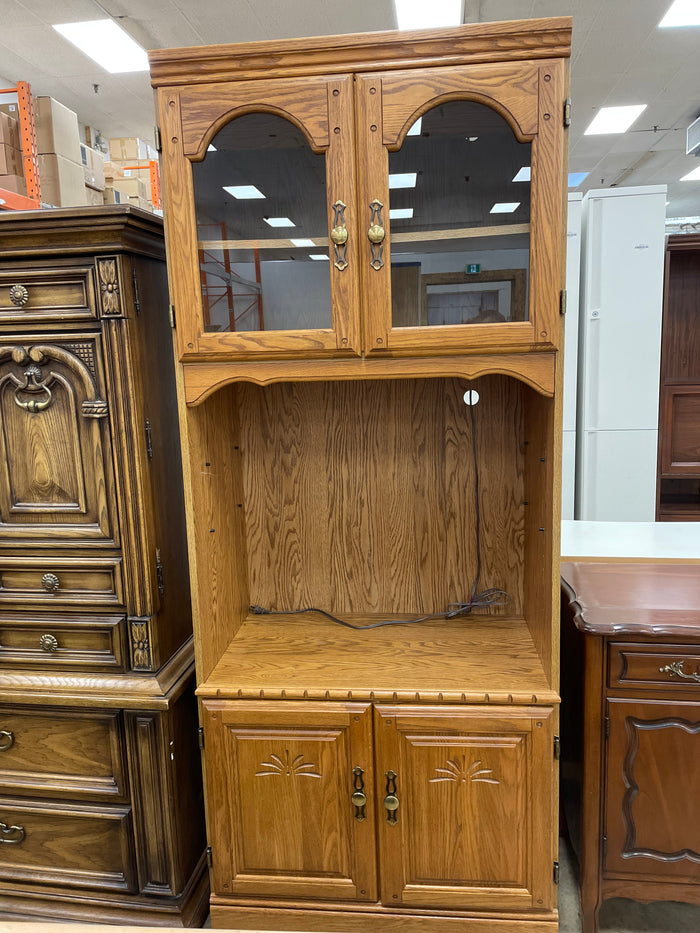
(63, 294)
(82, 642)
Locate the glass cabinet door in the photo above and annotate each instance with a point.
(272, 269)
(453, 176)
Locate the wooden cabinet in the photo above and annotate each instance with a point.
(365, 247)
(631, 676)
(100, 804)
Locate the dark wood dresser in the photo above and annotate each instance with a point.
(631, 729)
(101, 813)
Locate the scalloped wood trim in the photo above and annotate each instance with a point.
(496, 698)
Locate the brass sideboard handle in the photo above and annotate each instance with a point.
(676, 667)
(48, 643)
(32, 375)
(19, 295)
(339, 236)
(359, 798)
(376, 234)
(6, 832)
(391, 801)
(7, 740)
(50, 582)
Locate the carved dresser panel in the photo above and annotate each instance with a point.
(100, 789)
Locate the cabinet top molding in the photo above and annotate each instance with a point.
(480, 42)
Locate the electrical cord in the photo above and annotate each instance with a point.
(489, 597)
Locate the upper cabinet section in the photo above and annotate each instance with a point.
(377, 196)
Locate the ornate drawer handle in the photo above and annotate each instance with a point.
(676, 667)
(339, 236)
(391, 801)
(48, 643)
(11, 835)
(376, 234)
(19, 295)
(50, 582)
(359, 798)
(7, 740)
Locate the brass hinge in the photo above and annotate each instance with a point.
(159, 574)
(556, 872)
(137, 301)
(200, 737)
(171, 311)
(567, 112)
(210, 858)
(149, 440)
(157, 139)
(557, 748)
(607, 727)
(562, 301)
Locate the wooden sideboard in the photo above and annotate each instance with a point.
(631, 729)
(101, 815)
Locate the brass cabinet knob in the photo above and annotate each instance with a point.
(391, 801)
(19, 295)
(50, 582)
(48, 643)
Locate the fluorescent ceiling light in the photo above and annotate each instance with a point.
(575, 178)
(400, 213)
(279, 221)
(682, 13)
(471, 139)
(505, 207)
(318, 256)
(523, 174)
(416, 128)
(614, 119)
(302, 242)
(244, 192)
(211, 148)
(692, 176)
(405, 180)
(417, 14)
(107, 44)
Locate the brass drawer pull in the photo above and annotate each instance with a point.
(50, 582)
(7, 740)
(19, 295)
(339, 236)
(32, 375)
(359, 798)
(391, 801)
(48, 643)
(676, 667)
(11, 835)
(376, 234)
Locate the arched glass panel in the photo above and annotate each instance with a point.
(460, 219)
(262, 228)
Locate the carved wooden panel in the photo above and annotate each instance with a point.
(680, 425)
(30, 295)
(473, 827)
(75, 642)
(55, 450)
(652, 793)
(57, 752)
(281, 818)
(58, 582)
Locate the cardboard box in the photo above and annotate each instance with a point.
(56, 130)
(93, 197)
(112, 171)
(14, 183)
(93, 167)
(10, 109)
(132, 187)
(112, 196)
(62, 182)
(9, 131)
(10, 161)
(127, 149)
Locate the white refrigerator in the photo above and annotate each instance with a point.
(622, 266)
(573, 262)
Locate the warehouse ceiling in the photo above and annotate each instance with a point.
(619, 57)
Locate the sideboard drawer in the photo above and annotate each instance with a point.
(69, 643)
(75, 845)
(64, 753)
(654, 666)
(62, 294)
(61, 582)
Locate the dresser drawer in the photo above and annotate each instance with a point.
(58, 752)
(61, 294)
(63, 582)
(75, 846)
(57, 642)
(656, 666)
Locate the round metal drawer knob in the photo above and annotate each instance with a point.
(50, 582)
(48, 643)
(19, 295)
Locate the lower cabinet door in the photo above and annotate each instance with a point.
(465, 801)
(290, 802)
(652, 791)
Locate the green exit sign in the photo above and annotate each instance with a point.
(473, 267)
